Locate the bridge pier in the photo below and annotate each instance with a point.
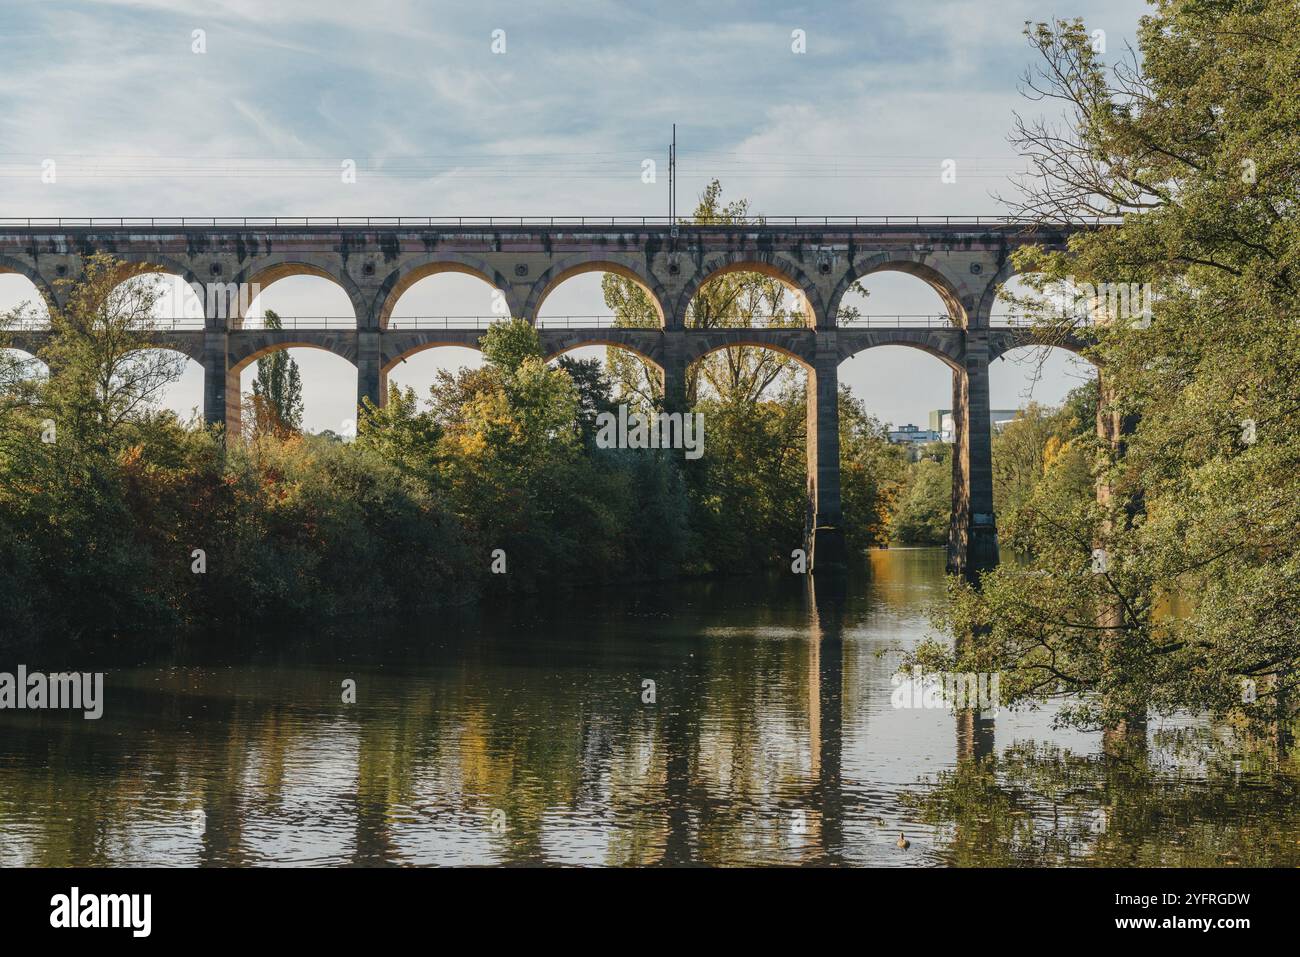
(372, 381)
(220, 402)
(973, 534)
(674, 365)
(824, 532)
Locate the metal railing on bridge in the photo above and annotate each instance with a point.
(896, 322)
(397, 323)
(460, 222)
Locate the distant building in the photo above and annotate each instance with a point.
(941, 421)
(911, 435)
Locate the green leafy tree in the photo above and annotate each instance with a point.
(925, 501)
(1196, 145)
(277, 390)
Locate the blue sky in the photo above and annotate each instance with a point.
(138, 124)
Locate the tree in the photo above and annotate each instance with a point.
(595, 394)
(277, 390)
(105, 366)
(1197, 148)
(872, 473)
(925, 501)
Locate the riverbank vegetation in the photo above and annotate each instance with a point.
(1196, 149)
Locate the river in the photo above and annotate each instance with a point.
(735, 722)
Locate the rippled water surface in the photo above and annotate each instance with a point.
(520, 735)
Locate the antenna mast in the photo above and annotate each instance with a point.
(672, 179)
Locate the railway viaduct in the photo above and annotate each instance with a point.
(964, 259)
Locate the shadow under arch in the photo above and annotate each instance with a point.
(886, 262)
(579, 265)
(785, 271)
(404, 277)
(264, 273)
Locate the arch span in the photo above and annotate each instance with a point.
(772, 265)
(264, 272)
(131, 265)
(789, 350)
(563, 348)
(1003, 341)
(15, 267)
(912, 265)
(417, 344)
(406, 276)
(580, 264)
(28, 355)
(243, 354)
(944, 345)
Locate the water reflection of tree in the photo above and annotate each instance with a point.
(1040, 805)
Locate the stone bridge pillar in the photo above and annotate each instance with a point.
(372, 381)
(674, 363)
(972, 536)
(220, 400)
(824, 532)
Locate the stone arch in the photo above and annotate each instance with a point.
(913, 265)
(650, 356)
(405, 276)
(145, 263)
(989, 297)
(790, 350)
(946, 350)
(29, 348)
(582, 263)
(189, 345)
(768, 264)
(390, 362)
(247, 348)
(132, 265)
(247, 351)
(268, 270)
(1003, 341)
(17, 267)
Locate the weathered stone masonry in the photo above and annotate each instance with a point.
(374, 265)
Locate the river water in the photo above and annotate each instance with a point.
(522, 734)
